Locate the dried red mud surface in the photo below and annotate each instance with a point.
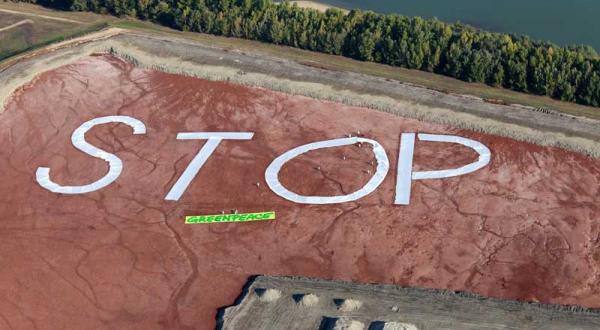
(524, 227)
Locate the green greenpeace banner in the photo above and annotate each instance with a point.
(242, 217)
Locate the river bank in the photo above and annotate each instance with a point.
(564, 23)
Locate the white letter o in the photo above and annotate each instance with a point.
(272, 172)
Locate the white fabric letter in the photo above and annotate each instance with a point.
(403, 186)
(115, 164)
(405, 163)
(272, 172)
(214, 138)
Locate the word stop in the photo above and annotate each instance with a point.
(404, 174)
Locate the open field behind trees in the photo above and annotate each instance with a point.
(514, 62)
(24, 27)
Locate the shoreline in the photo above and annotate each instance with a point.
(322, 7)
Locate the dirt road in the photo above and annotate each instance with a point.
(12, 26)
(26, 13)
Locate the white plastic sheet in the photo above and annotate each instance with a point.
(404, 173)
(405, 162)
(482, 150)
(272, 172)
(214, 139)
(78, 139)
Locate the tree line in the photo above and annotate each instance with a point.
(456, 50)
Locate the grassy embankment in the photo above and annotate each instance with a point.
(339, 63)
(325, 61)
(40, 27)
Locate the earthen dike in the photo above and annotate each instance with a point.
(523, 226)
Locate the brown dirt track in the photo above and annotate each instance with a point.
(525, 227)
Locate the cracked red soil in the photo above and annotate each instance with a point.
(524, 227)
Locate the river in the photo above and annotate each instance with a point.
(558, 21)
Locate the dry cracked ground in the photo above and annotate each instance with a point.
(524, 227)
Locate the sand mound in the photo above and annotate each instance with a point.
(268, 295)
(349, 305)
